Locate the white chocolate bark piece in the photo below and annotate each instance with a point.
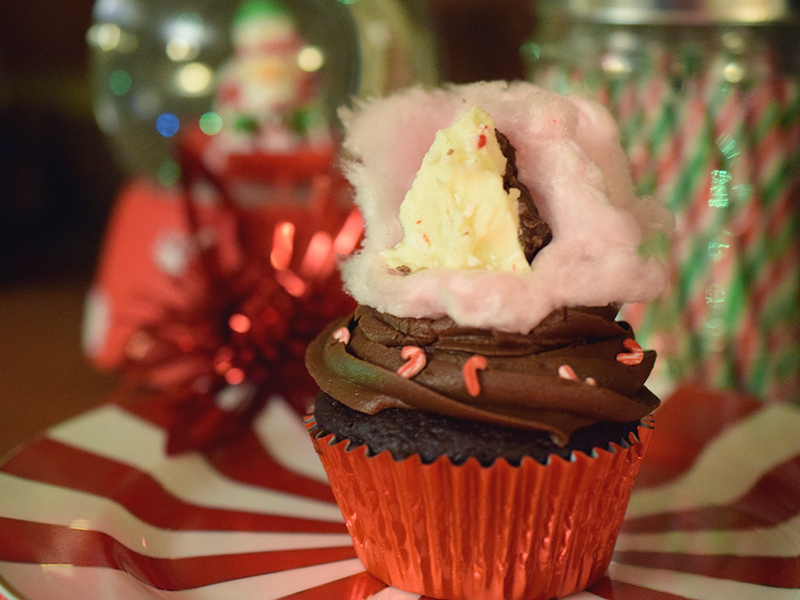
(457, 213)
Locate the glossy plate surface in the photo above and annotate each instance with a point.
(93, 509)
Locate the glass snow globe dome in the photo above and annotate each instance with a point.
(160, 66)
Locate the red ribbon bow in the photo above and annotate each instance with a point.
(248, 308)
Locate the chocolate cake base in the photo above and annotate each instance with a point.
(406, 432)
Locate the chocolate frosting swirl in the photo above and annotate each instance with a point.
(520, 386)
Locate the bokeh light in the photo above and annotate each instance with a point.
(179, 49)
(169, 172)
(210, 123)
(120, 82)
(106, 37)
(185, 34)
(310, 59)
(167, 124)
(194, 79)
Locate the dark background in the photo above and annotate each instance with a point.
(58, 181)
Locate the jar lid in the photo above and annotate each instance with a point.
(685, 12)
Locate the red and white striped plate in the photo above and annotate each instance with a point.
(94, 510)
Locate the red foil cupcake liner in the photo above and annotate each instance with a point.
(469, 532)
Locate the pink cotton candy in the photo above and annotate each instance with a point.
(568, 154)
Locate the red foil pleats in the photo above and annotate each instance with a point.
(469, 532)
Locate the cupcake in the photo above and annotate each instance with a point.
(482, 415)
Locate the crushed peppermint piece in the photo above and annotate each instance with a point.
(470, 371)
(342, 335)
(635, 355)
(415, 361)
(482, 136)
(567, 372)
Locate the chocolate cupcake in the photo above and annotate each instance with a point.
(482, 415)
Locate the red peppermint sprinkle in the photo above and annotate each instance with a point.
(567, 372)
(415, 361)
(470, 371)
(342, 335)
(635, 355)
(482, 136)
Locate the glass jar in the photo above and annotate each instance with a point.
(707, 95)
